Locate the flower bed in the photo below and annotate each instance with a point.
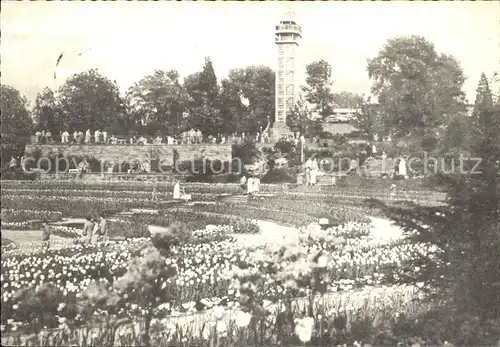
(27, 225)
(11, 215)
(75, 206)
(195, 220)
(201, 267)
(382, 192)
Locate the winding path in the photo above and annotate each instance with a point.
(382, 230)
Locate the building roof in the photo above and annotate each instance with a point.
(339, 128)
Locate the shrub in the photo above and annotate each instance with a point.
(278, 176)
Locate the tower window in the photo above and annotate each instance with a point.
(281, 102)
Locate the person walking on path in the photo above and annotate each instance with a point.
(177, 190)
(46, 235)
(250, 185)
(88, 229)
(256, 185)
(103, 228)
(97, 231)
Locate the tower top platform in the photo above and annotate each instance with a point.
(288, 25)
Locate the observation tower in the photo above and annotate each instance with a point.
(286, 37)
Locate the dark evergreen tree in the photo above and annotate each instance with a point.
(462, 274)
(204, 111)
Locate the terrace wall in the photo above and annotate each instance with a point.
(120, 153)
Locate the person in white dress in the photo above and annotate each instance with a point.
(177, 190)
(65, 137)
(105, 137)
(402, 168)
(87, 136)
(314, 172)
(250, 185)
(97, 135)
(256, 185)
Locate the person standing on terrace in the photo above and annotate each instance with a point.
(97, 135)
(105, 137)
(37, 136)
(192, 135)
(65, 137)
(87, 136)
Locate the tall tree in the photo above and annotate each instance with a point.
(462, 273)
(347, 100)
(301, 120)
(416, 87)
(234, 109)
(483, 107)
(457, 137)
(17, 124)
(247, 98)
(368, 120)
(202, 88)
(47, 113)
(318, 89)
(90, 100)
(157, 102)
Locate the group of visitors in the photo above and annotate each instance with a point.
(83, 167)
(193, 136)
(43, 137)
(95, 229)
(77, 137)
(250, 185)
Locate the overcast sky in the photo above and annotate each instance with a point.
(126, 40)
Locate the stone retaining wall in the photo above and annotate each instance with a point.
(121, 153)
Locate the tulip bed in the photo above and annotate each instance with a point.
(205, 271)
(77, 285)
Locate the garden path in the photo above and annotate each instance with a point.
(30, 239)
(382, 230)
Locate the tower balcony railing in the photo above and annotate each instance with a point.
(288, 28)
(285, 39)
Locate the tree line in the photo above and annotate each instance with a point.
(418, 91)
